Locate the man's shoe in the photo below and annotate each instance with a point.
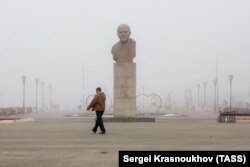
(102, 133)
(94, 131)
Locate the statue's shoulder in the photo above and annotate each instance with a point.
(114, 47)
(117, 43)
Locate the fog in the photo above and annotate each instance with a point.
(67, 44)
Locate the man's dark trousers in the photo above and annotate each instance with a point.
(99, 121)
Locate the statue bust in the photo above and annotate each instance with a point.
(124, 50)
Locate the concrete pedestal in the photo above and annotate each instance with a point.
(124, 89)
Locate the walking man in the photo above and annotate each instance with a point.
(98, 105)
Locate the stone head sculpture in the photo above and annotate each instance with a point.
(124, 50)
(123, 32)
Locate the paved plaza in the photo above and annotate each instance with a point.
(55, 140)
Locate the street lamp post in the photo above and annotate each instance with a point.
(188, 98)
(198, 97)
(50, 95)
(36, 92)
(23, 79)
(204, 86)
(215, 93)
(230, 79)
(42, 96)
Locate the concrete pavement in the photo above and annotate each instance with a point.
(53, 140)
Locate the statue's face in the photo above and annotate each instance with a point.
(123, 33)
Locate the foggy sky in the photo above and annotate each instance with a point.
(178, 45)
